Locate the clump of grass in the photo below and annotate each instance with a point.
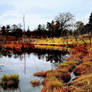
(70, 62)
(84, 68)
(10, 81)
(83, 83)
(53, 73)
(10, 77)
(54, 83)
(63, 65)
(68, 65)
(52, 78)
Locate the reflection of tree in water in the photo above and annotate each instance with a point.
(40, 56)
(55, 56)
(52, 56)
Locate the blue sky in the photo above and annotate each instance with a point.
(40, 11)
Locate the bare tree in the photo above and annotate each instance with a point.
(66, 22)
(65, 19)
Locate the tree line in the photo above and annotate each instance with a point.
(62, 25)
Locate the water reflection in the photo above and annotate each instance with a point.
(36, 61)
(50, 55)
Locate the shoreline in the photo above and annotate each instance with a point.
(59, 80)
(79, 62)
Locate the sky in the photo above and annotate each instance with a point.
(41, 11)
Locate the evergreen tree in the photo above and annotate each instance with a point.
(90, 19)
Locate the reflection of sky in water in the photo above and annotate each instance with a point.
(25, 69)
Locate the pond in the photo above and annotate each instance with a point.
(26, 65)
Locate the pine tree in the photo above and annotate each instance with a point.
(90, 19)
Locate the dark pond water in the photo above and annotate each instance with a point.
(26, 65)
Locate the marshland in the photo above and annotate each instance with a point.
(53, 57)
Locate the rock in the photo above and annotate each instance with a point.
(11, 84)
(40, 74)
(35, 83)
(10, 81)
